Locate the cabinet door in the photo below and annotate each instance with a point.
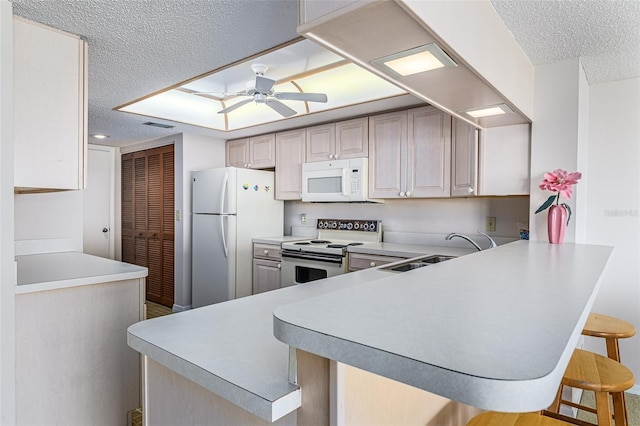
(50, 110)
(352, 138)
(464, 173)
(321, 142)
(266, 275)
(290, 154)
(504, 160)
(429, 153)
(237, 153)
(387, 155)
(262, 151)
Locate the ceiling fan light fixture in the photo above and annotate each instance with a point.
(488, 111)
(414, 61)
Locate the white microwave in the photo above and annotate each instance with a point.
(336, 181)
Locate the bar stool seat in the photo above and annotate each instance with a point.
(609, 328)
(603, 376)
(493, 418)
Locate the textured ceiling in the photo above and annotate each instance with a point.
(604, 34)
(137, 47)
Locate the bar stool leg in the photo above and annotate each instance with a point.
(613, 349)
(619, 409)
(604, 409)
(555, 406)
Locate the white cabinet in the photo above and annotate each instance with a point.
(342, 140)
(50, 108)
(258, 152)
(266, 267)
(290, 154)
(358, 261)
(410, 154)
(464, 159)
(504, 165)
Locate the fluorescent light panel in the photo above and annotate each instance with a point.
(489, 111)
(414, 61)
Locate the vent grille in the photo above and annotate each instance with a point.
(163, 126)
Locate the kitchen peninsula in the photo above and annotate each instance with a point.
(493, 329)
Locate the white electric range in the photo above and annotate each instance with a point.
(326, 256)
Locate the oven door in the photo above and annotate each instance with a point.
(300, 268)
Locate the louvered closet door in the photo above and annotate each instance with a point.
(147, 218)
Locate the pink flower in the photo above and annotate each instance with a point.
(560, 181)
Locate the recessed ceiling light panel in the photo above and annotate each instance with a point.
(489, 111)
(414, 61)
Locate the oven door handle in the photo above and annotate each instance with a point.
(313, 256)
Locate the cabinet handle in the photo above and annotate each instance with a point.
(335, 157)
(279, 266)
(470, 190)
(266, 252)
(408, 194)
(372, 264)
(402, 194)
(248, 166)
(330, 156)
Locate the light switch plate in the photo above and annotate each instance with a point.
(491, 224)
(178, 215)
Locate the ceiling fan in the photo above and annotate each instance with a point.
(261, 92)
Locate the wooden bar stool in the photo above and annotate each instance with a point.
(609, 328)
(493, 418)
(603, 376)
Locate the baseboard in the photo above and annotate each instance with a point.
(180, 308)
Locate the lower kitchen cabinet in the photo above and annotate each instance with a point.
(359, 261)
(266, 267)
(73, 365)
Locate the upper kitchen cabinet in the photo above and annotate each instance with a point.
(342, 140)
(464, 159)
(50, 108)
(410, 154)
(258, 152)
(290, 154)
(504, 161)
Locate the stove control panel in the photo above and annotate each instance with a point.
(349, 225)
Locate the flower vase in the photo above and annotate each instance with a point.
(557, 224)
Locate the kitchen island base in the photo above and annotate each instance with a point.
(172, 399)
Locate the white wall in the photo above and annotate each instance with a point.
(466, 215)
(193, 153)
(613, 216)
(7, 265)
(49, 215)
(558, 133)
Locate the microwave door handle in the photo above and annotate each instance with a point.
(345, 174)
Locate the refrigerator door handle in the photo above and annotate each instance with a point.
(224, 238)
(223, 192)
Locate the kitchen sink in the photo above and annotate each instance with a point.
(417, 263)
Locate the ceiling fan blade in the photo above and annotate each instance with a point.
(235, 106)
(280, 108)
(264, 84)
(293, 96)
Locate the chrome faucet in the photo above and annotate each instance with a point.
(492, 243)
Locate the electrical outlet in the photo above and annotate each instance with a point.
(178, 215)
(491, 224)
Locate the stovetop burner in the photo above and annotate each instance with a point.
(302, 243)
(320, 242)
(344, 245)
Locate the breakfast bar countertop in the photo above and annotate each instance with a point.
(483, 329)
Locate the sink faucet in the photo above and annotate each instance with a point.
(492, 243)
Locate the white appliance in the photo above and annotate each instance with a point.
(230, 207)
(325, 256)
(336, 181)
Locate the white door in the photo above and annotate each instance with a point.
(98, 202)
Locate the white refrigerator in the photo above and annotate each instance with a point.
(230, 207)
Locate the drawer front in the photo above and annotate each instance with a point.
(363, 261)
(266, 251)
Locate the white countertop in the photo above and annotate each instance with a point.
(408, 250)
(485, 329)
(50, 271)
(479, 329)
(277, 240)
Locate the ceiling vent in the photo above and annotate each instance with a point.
(163, 126)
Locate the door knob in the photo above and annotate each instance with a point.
(105, 230)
